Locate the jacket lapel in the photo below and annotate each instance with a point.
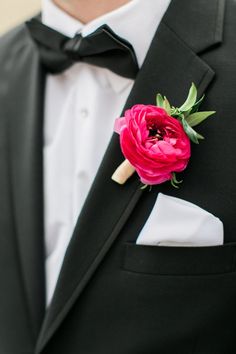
(24, 83)
(170, 67)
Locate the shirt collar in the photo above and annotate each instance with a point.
(136, 22)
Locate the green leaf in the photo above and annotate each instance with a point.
(195, 107)
(173, 111)
(191, 99)
(197, 104)
(166, 106)
(160, 100)
(179, 116)
(145, 186)
(174, 182)
(198, 117)
(192, 134)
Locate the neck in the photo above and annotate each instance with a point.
(88, 10)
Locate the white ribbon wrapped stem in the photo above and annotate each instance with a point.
(123, 172)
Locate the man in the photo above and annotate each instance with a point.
(67, 229)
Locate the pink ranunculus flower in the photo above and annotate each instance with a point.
(154, 143)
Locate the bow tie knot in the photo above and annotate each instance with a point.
(72, 47)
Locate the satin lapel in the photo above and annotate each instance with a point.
(23, 106)
(170, 68)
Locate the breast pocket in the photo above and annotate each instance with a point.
(179, 260)
(188, 295)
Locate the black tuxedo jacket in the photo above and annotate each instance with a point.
(114, 297)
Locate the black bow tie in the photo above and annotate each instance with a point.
(102, 48)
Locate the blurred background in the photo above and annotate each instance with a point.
(13, 12)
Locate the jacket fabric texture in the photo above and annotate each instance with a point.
(113, 296)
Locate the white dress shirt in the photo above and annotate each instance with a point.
(81, 105)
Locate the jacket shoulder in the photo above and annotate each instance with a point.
(13, 41)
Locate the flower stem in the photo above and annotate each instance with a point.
(123, 172)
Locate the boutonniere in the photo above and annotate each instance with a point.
(156, 140)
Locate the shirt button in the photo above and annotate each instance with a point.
(82, 175)
(84, 113)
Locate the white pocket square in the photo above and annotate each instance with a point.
(176, 222)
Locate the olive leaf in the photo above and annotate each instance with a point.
(167, 106)
(192, 134)
(160, 100)
(191, 99)
(197, 105)
(198, 117)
